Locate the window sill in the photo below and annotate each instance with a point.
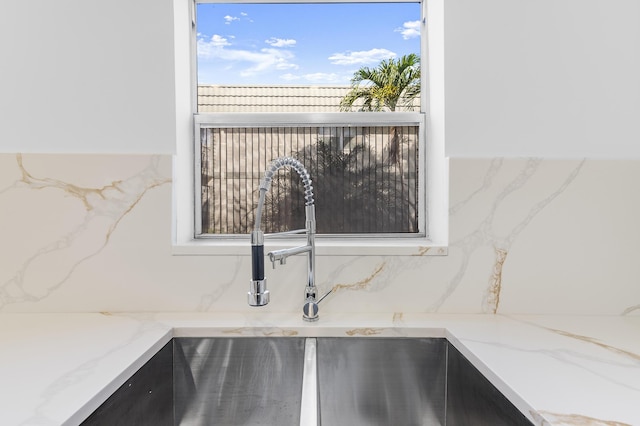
(333, 247)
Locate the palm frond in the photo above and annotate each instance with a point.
(391, 83)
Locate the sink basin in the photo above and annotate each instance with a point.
(334, 382)
(236, 381)
(370, 381)
(412, 381)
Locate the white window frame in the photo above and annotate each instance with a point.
(433, 166)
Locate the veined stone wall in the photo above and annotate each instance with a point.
(93, 233)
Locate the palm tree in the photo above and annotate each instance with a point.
(390, 83)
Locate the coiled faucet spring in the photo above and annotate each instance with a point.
(277, 164)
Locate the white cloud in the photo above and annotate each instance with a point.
(218, 40)
(323, 77)
(229, 19)
(317, 78)
(280, 42)
(254, 62)
(290, 77)
(363, 57)
(243, 16)
(208, 49)
(410, 29)
(278, 59)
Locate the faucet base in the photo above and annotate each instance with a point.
(310, 311)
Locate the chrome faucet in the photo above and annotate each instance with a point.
(258, 294)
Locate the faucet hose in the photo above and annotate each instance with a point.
(257, 237)
(265, 185)
(295, 165)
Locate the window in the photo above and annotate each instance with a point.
(243, 121)
(246, 61)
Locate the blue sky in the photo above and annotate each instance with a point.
(321, 44)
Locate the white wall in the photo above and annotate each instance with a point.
(549, 78)
(87, 76)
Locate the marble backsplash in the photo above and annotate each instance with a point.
(92, 233)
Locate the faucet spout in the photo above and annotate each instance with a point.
(258, 294)
(281, 255)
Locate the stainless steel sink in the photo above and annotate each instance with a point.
(238, 381)
(308, 382)
(397, 381)
(368, 381)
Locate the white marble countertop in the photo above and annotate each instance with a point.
(55, 369)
